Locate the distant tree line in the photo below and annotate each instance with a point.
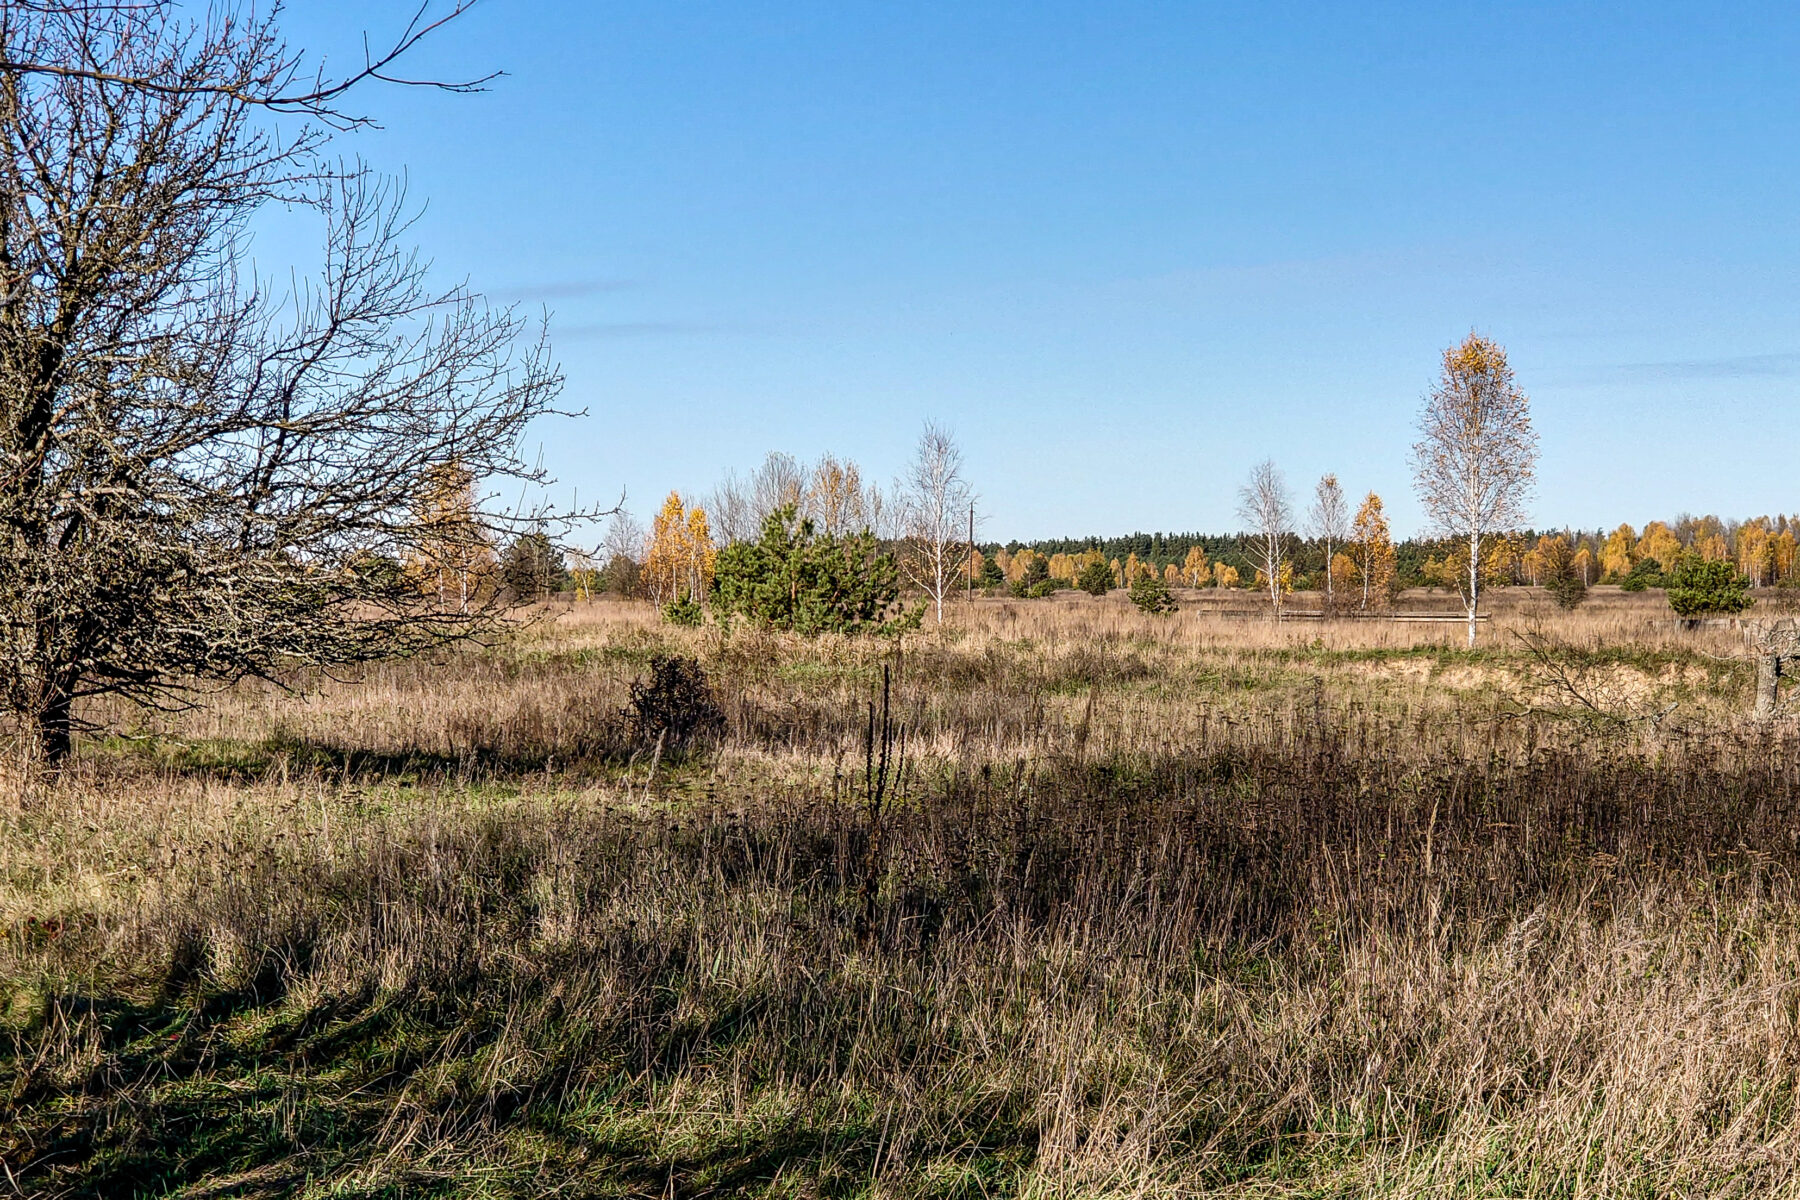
(1762, 548)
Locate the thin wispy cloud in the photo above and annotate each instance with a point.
(562, 289)
(1747, 366)
(606, 330)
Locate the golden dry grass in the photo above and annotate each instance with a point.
(1196, 905)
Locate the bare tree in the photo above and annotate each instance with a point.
(1264, 505)
(625, 537)
(1476, 458)
(935, 500)
(835, 497)
(728, 506)
(270, 78)
(202, 480)
(1329, 521)
(780, 482)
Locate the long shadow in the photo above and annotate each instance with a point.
(280, 757)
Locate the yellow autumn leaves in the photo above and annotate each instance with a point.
(678, 563)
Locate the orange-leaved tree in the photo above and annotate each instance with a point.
(1373, 550)
(678, 565)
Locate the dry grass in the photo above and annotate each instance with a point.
(1184, 906)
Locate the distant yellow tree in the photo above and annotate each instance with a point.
(1531, 563)
(1343, 573)
(1584, 565)
(1619, 553)
(701, 554)
(1118, 571)
(1062, 566)
(454, 560)
(1224, 576)
(835, 499)
(1785, 556)
(679, 561)
(1373, 549)
(1713, 548)
(1661, 543)
(1505, 560)
(1287, 579)
(1755, 551)
(1195, 571)
(1172, 575)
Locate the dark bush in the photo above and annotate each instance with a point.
(675, 706)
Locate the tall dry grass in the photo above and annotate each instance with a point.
(1195, 907)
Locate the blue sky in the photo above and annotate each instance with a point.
(1127, 250)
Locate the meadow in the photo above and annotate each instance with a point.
(1059, 900)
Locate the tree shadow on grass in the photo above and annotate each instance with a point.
(282, 758)
(242, 1095)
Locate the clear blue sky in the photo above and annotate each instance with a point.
(1126, 250)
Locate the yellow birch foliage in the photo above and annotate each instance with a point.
(1196, 571)
(701, 554)
(1785, 554)
(1373, 549)
(1287, 579)
(1659, 542)
(1343, 573)
(1620, 551)
(679, 561)
(834, 498)
(454, 561)
(1756, 551)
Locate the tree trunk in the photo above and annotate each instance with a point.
(1768, 684)
(1329, 605)
(55, 729)
(1474, 583)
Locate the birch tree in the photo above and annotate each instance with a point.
(1476, 458)
(1374, 550)
(1264, 505)
(936, 501)
(1329, 521)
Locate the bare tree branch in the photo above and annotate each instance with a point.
(277, 83)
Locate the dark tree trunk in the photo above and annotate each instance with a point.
(56, 733)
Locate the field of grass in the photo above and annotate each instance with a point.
(1184, 906)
